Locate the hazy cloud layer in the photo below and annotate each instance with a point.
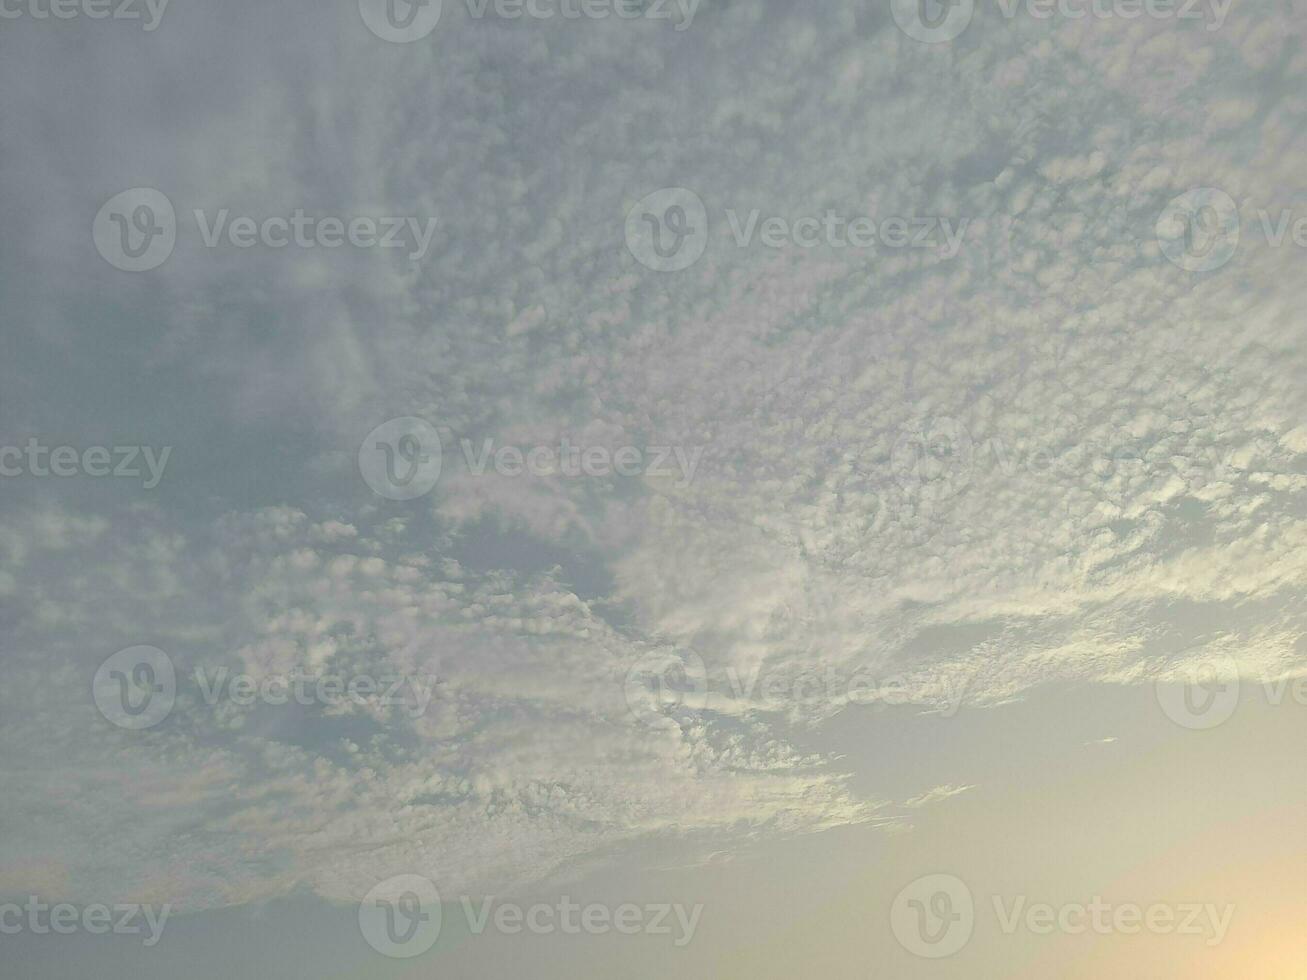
(1117, 447)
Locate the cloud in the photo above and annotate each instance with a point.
(1053, 456)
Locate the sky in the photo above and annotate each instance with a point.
(740, 488)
